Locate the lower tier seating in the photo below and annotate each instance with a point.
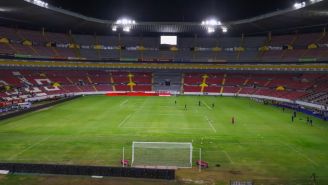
(21, 84)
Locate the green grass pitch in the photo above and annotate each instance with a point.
(92, 130)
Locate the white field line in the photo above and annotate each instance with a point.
(169, 114)
(210, 124)
(164, 111)
(28, 148)
(228, 156)
(124, 102)
(43, 109)
(207, 105)
(301, 154)
(172, 114)
(140, 107)
(124, 120)
(168, 128)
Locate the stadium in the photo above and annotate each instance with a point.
(166, 97)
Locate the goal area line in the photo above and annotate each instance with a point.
(142, 142)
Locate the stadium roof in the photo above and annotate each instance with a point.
(25, 14)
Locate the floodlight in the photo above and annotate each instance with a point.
(210, 30)
(212, 25)
(300, 5)
(224, 29)
(126, 29)
(124, 23)
(315, 1)
(211, 22)
(38, 3)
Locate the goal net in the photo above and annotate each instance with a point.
(161, 154)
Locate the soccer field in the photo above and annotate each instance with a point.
(92, 130)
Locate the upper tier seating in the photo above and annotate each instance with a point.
(303, 40)
(35, 36)
(57, 38)
(87, 40)
(9, 33)
(282, 40)
(200, 49)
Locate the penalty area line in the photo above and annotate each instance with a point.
(228, 156)
(299, 153)
(210, 124)
(28, 148)
(124, 102)
(124, 120)
(207, 105)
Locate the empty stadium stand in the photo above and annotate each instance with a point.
(43, 44)
(309, 87)
(22, 84)
(167, 81)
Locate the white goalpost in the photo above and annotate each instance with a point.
(162, 154)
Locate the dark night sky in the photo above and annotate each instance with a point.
(173, 10)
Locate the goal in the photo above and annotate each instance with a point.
(161, 154)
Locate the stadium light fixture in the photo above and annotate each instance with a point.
(125, 24)
(210, 30)
(224, 29)
(125, 21)
(114, 28)
(211, 22)
(300, 5)
(38, 3)
(303, 4)
(212, 25)
(315, 1)
(126, 29)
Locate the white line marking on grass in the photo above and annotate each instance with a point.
(168, 128)
(172, 114)
(124, 120)
(228, 156)
(28, 148)
(43, 109)
(301, 154)
(124, 102)
(140, 108)
(207, 105)
(168, 114)
(210, 124)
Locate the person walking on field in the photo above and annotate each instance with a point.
(233, 120)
